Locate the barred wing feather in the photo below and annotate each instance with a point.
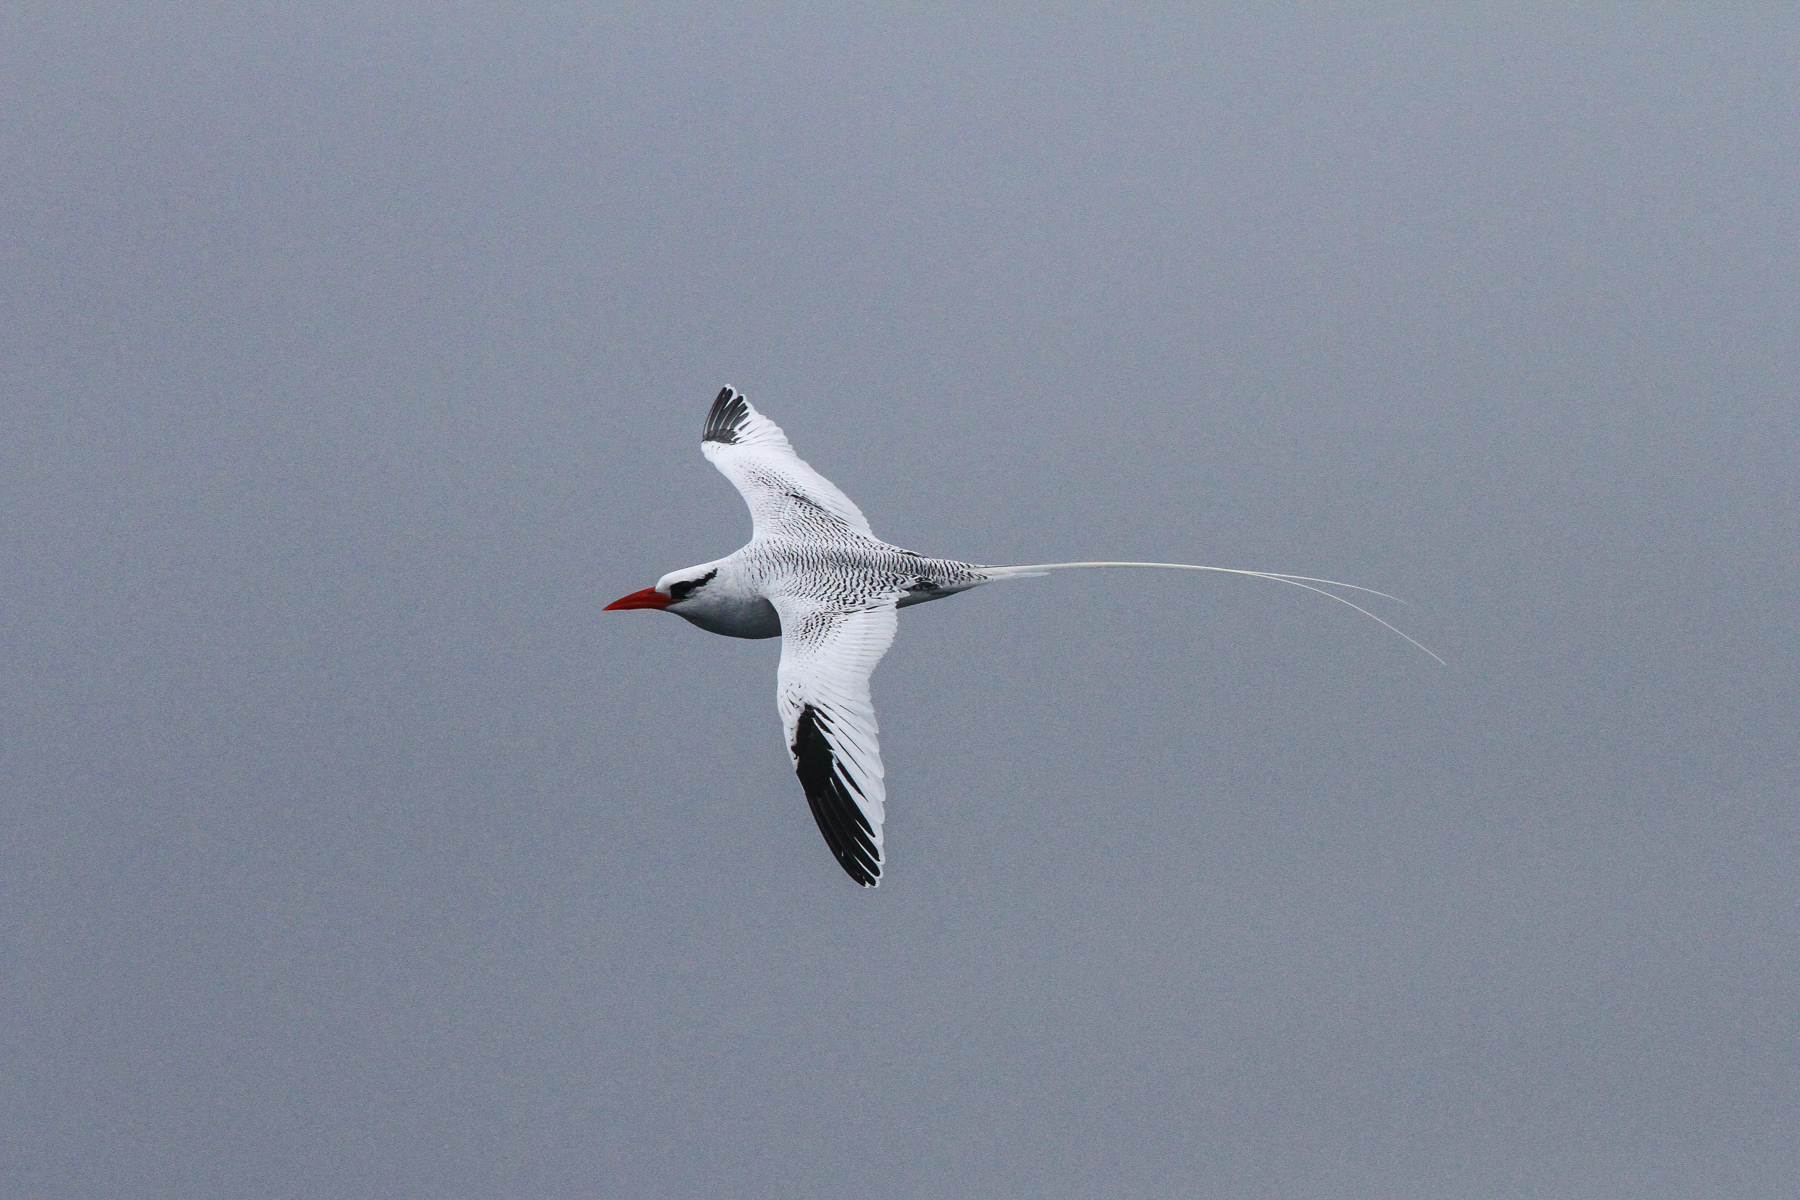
(785, 495)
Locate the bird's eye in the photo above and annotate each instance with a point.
(681, 589)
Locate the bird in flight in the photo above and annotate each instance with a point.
(816, 576)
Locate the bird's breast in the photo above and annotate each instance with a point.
(736, 616)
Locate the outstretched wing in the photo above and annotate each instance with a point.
(822, 688)
(784, 494)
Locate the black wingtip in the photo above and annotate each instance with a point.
(729, 412)
(833, 800)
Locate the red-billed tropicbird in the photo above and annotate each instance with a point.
(816, 576)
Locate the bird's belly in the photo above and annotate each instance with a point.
(920, 594)
(751, 617)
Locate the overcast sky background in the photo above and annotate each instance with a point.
(354, 357)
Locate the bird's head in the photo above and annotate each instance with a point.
(672, 590)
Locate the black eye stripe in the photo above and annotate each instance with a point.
(680, 590)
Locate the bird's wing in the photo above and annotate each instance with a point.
(822, 688)
(784, 494)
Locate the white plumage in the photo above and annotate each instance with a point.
(817, 576)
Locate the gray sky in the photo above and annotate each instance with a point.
(352, 359)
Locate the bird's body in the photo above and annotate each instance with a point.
(834, 573)
(816, 575)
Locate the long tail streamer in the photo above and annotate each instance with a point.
(1299, 581)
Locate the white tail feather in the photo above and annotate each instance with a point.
(1299, 581)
